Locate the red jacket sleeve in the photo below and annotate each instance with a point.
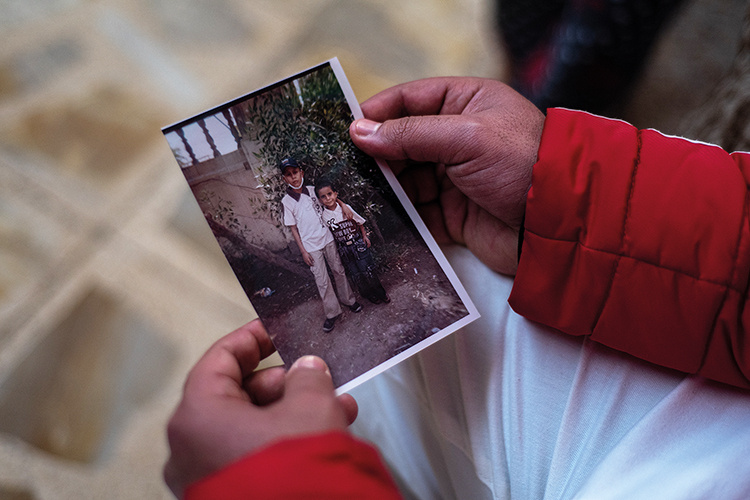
(327, 466)
(641, 241)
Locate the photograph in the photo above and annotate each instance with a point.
(323, 240)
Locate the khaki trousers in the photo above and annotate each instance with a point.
(331, 304)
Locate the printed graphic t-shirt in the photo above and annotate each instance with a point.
(342, 229)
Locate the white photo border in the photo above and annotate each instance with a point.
(428, 239)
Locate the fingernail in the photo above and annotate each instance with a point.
(365, 127)
(311, 362)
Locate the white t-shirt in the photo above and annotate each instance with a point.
(306, 214)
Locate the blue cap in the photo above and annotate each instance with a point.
(288, 162)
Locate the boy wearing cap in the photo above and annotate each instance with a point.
(303, 216)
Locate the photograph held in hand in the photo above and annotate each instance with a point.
(326, 245)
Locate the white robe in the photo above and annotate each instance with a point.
(508, 409)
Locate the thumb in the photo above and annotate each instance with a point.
(433, 138)
(309, 374)
(309, 391)
(307, 366)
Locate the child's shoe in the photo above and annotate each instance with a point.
(328, 323)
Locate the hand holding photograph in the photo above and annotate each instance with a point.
(322, 238)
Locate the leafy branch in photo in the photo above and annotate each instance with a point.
(308, 119)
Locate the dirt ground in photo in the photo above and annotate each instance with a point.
(422, 303)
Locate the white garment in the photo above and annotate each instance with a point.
(337, 215)
(508, 409)
(306, 214)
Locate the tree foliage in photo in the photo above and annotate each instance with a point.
(308, 119)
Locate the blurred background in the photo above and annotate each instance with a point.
(111, 284)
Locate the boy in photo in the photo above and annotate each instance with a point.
(302, 214)
(352, 242)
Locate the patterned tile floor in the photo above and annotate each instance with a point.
(110, 282)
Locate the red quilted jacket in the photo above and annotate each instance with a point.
(642, 241)
(331, 466)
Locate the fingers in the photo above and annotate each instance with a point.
(433, 217)
(172, 477)
(266, 386)
(227, 412)
(421, 183)
(248, 345)
(230, 359)
(350, 407)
